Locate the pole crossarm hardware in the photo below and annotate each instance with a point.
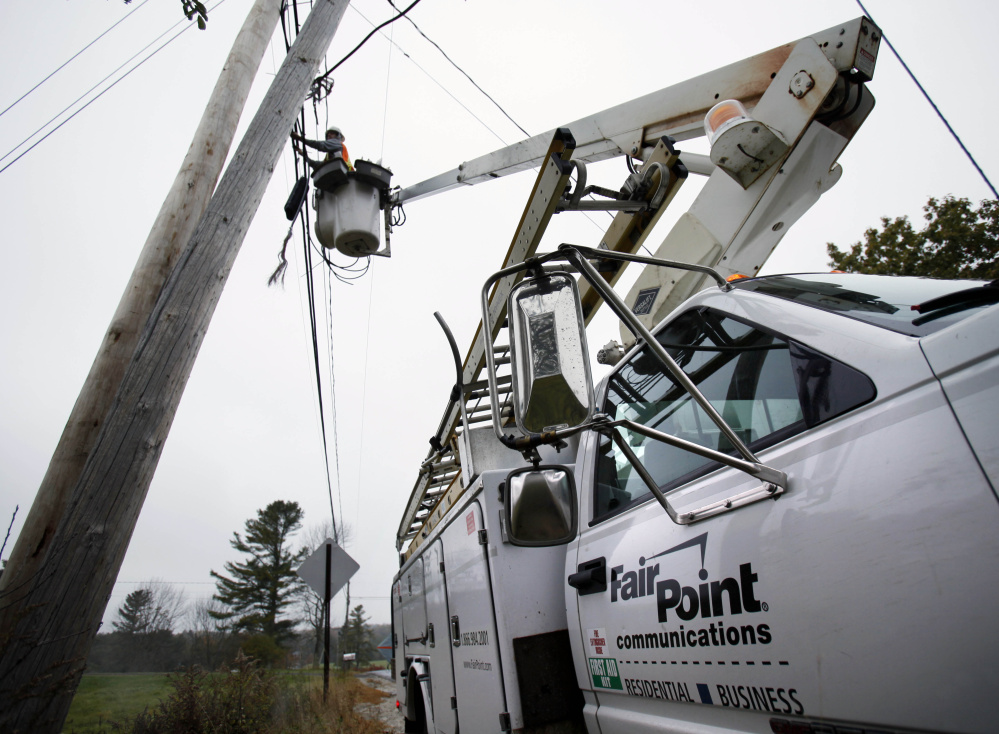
(55, 615)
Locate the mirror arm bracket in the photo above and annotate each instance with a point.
(577, 256)
(633, 459)
(753, 468)
(774, 481)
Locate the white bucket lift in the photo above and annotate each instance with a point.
(347, 206)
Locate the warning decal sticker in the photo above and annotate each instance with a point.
(597, 640)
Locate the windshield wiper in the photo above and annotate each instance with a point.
(935, 308)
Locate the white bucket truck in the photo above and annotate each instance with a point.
(778, 511)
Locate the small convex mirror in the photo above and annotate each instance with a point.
(552, 387)
(540, 506)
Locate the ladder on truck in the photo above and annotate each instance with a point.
(810, 94)
(440, 481)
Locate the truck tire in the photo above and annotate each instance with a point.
(419, 726)
(421, 712)
(414, 693)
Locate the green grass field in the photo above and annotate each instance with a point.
(103, 698)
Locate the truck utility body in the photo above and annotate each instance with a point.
(861, 597)
(776, 513)
(484, 622)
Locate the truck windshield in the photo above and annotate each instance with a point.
(882, 300)
(765, 387)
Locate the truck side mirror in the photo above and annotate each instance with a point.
(552, 387)
(540, 506)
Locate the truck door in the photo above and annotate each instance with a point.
(478, 678)
(682, 602)
(439, 642)
(414, 609)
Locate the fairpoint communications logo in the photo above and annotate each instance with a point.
(684, 600)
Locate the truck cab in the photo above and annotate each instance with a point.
(853, 598)
(857, 598)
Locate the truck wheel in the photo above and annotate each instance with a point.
(421, 713)
(420, 725)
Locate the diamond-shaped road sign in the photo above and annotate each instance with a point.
(313, 570)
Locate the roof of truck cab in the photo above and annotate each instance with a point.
(907, 305)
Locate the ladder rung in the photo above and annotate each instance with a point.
(479, 394)
(480, 384)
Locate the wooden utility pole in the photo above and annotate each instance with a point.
(182, 209)
(59, 608)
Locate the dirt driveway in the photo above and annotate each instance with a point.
(385, 710)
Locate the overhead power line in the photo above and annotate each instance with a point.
(933, 105)
(435, 81)
(99, 95)
(367, 38)
(310, 287)
(336, 437)
(487, 95)
(342, 273)
(71, 58)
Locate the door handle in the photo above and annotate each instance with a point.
(590, 577)
(455, 632)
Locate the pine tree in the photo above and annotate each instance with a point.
(259, 590)
(143, 639)
(957, 242)
(355, 636)
(153, 608)
(135, 614)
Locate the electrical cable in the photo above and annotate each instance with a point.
(310, 291)
(498, 106)
(336, 438)
(308, 305)
(388, 77)
(933, 105)
(71, 58)
(434, 80)
(101, 94)
(330, 269)
(398, 215)
(12, 518)
(284, 25)
(304, 219)
(310, 288)
(364, 394)
(344, 274)
(357, 272)
(298, 23)
(367, 38)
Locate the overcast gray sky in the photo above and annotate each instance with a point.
(77, 209)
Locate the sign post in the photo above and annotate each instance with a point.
(326, 618)
(326, 571)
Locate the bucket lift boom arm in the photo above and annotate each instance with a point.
(809, 95)
(634, 127)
